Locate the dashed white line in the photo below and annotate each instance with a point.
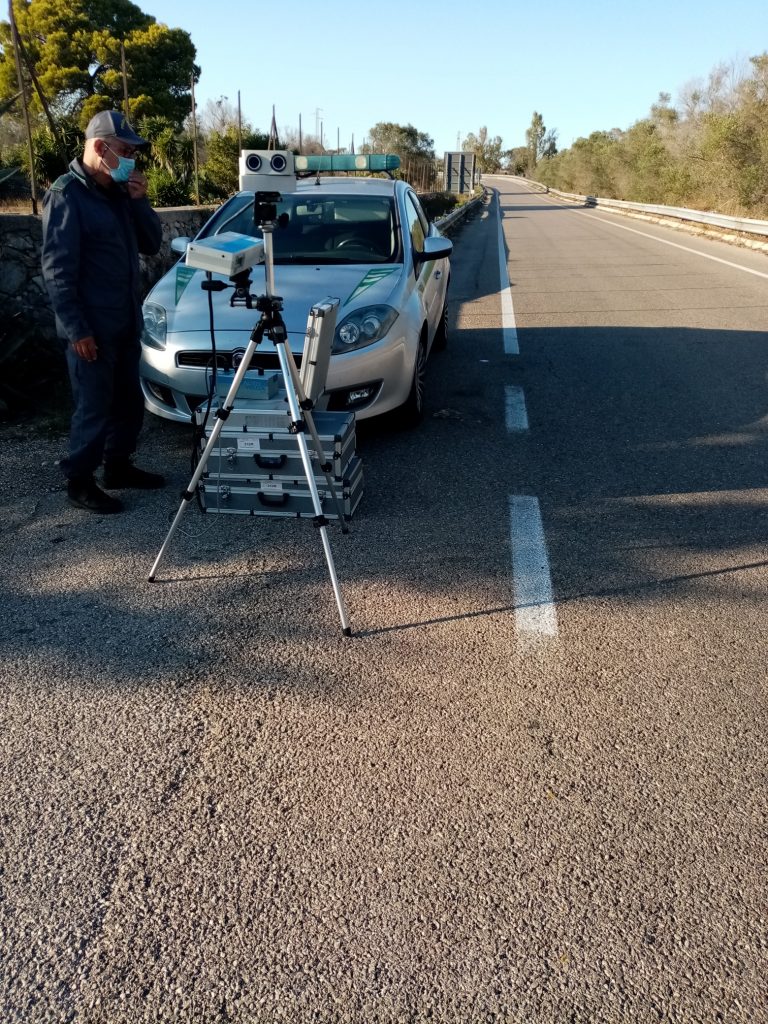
(535, 610)
(508, 325)
(514, 406)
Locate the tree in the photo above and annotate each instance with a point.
(487, 151)
(533, 136)
(405, 140)
(217, 115)
(516, 159)
(74, 47)
(415, 149)
(541, 144)
(710, 154)
(222, 154)
(548, 146)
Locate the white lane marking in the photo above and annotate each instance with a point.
(516, 412)
(535, 610)
(508, 325)
(685, 248)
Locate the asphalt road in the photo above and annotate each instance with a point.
(530, 788)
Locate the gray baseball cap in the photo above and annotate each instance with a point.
(112, 124)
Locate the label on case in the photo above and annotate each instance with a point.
(249, 444)
(271, 485)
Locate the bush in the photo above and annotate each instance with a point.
(165, 189)
(436, 204)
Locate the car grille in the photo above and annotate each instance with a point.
(259, 360)
(202, 359)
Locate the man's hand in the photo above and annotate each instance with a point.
(85, 348)
(137, 185)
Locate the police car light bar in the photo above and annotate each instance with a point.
(349, 162)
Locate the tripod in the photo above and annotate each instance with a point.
(272, 325)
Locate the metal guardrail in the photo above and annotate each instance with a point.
(459, 213)
(744, 224)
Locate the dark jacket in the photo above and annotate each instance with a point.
(92, 238)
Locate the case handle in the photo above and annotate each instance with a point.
(268, 500)
(269, 461)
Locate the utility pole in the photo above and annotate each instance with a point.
(301, 147)
(23, 91)
(194, 142)
(274, 139)
(239, 125)
(27, 63)
(126, 107)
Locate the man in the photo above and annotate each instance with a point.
(96, 221)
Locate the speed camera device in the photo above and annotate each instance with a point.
(267, 170)
(228, 253)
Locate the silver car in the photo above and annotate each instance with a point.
(365, 241)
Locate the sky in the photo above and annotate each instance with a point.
(448, 68)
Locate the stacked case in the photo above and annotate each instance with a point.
(256, 467)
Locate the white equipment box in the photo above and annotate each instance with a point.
(227, 253)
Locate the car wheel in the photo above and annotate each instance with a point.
(441, 334)
(411, 411)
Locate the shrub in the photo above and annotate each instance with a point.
(436, 204)
(165, 189)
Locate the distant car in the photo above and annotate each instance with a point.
(363, 240)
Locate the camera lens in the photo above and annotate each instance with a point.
(278, 163)
(253, 162)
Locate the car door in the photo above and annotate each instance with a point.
(429, 274)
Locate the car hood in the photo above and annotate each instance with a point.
(300, 287)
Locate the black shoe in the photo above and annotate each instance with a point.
(122, 473)
(88, 495)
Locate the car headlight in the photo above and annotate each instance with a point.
(155, 325)
(363, 327)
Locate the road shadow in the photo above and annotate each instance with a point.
(647, 450)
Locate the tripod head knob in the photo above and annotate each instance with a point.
(269, 303)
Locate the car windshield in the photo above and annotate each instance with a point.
(319, 229)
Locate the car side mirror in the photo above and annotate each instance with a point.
(179, 245)
(435, 248)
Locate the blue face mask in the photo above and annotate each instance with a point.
(125, 166)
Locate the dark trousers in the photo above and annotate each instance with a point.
(109, 405)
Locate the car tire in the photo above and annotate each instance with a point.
(411, 412)
(441, 334)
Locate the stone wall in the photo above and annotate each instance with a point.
(21, 282)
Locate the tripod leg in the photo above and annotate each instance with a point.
(221, 416)
(322, 461)
(345, 627)
(324, 465)
(320, 519)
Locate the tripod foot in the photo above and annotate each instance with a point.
(347, 631)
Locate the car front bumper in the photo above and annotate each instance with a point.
(173, 391)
